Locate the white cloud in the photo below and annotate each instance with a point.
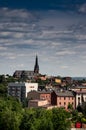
(3, 48)
(83, 8)
(57, 38)
(3, 33)
(65, 52)
(81, 36)
(18, 35)
(64, 67)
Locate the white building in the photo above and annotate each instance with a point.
(20, 89)
(80, 97)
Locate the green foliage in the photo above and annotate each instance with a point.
(70, 106)
(60, 119)
(4, 80)
(10, 114)
(9, 120)
(3, 90)
(41, 119)
(83, 120)
(83, 107)
(14, 117)
(76, 116)
(27, 120)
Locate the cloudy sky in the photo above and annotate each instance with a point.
(55, 30)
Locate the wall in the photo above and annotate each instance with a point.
(64, 101)
(37, 103)
(46, 96)
(33, 95)
(30, 87)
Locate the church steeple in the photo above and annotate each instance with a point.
(36, 67)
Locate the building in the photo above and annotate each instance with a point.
(63, 99)
(37, 103)
(20, 90)
(24, 74)
(80, 96)
(54, 98)
(40, 103)
(40, 95)
(28, 74)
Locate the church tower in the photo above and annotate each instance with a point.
(36, 67)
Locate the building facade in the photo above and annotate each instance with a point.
(41, 95)
(63, 99)
(80, 95)
(54, 98)
(37, 103)
(20, 90)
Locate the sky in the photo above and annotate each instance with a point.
(54, 30)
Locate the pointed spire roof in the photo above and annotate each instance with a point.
(36, 67)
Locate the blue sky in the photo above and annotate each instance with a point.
(55, 30)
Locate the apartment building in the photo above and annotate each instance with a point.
(63, 99)
(20, 90)
(80, 95)
(54, 98)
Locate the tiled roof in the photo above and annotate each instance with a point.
(65, 94)
(45, 91)
(80, 92)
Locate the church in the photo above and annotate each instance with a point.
(28, 73)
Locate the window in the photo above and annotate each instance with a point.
(64, 98)
(60, 98)
(64, 103)
(69, 98)
(78, 100)
(59, 103)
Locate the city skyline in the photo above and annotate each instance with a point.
(53, 30)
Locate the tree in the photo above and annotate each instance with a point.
(44, 120)
(60, 119)
(9, 120)
(3, 90)
(82, 108)
(70, 106)
(28, 119)
(10, 114)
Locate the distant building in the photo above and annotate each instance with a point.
(40, 104)
(68, 80)
(63, 99)
(20, 90)
(28, 74)
(37, 103)
(80, 93)
(24, 74)
(54, 98)
(41, 95)
(58, 80)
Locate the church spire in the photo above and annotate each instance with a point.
(36, 67)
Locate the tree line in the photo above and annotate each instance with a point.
(14, 117)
